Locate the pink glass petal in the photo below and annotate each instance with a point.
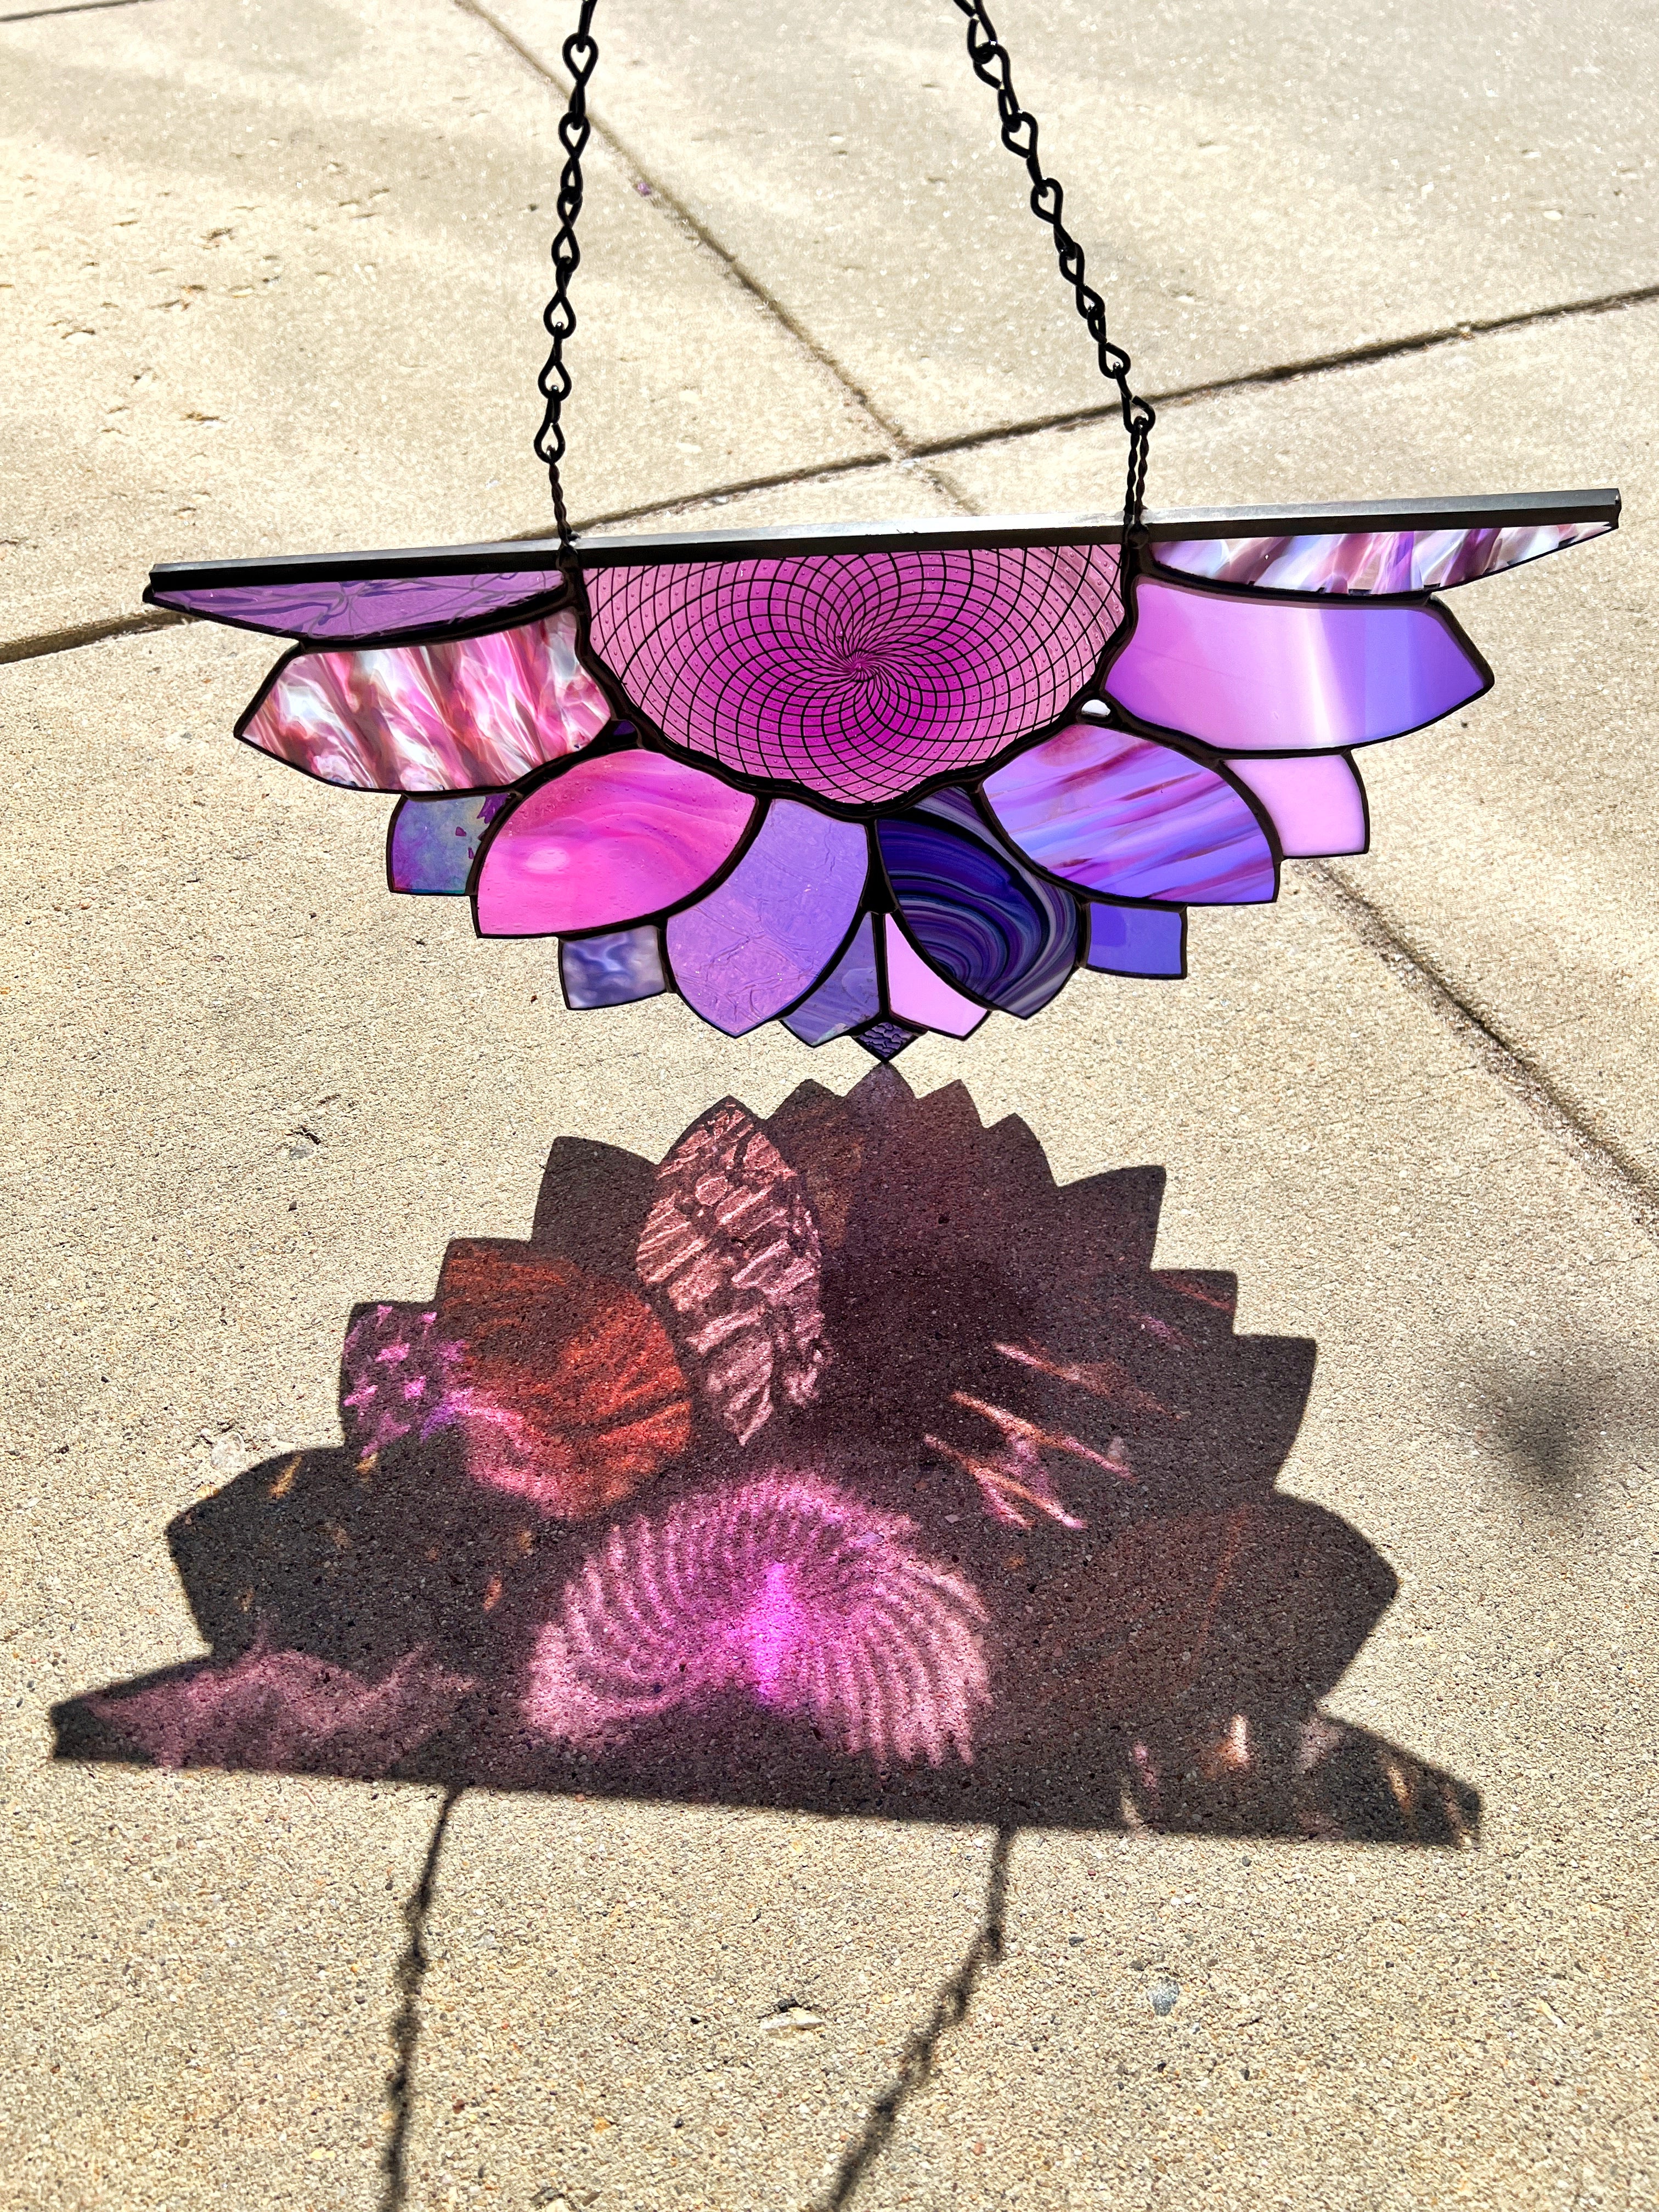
(1120, 813)
(1318, 803)
(857, 675)
(1253, 674)
(917, 993)
(609, 840)
(362, 607)
(1372, 561)
(476, 712)
(755, 944)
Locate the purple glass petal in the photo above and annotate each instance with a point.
(755, 943)
(475, 712)
(612, 970)
(608, 841)
(1372, 561)
(857, 675)
(1254, 674)
(1316, 802)
(364, 606)
(1116, 813)
(849, 994)
(432, 843)
(1138, 940)
(917, 993)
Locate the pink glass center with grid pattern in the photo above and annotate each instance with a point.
(857, 677)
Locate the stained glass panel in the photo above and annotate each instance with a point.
(758, 941)
(1253, 674)
(1372, 559)
(432, 843)
(612, 970)
(609, 840)
(472, 713)
(857, 675)
(1116, 813)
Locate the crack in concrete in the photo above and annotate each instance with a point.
(75, 8)
(1615, 1172)
(92, 632)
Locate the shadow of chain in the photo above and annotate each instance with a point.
(916, 2062)
(406, 2027)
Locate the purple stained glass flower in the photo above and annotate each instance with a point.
(875, 784)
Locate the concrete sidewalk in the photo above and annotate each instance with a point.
(271, 281)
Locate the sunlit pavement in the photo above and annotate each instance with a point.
(1324, 1877)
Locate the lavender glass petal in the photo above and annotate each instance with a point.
(1316, 802)
(1253, 674)
(474, 712)
(917, 993)
(857, 675)
(1138, 940)
(1119, 813)
(1370, 561)
(849, 994)
(755, 944)
(433, 842)
(609, 840)
(365, 607)
(613, 970)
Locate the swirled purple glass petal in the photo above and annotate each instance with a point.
(432, 843)
(1370, 561)
(849, 993)
(759, 939)
(1250, 673)
(1315, 801)
(857, 675)
(611, 840)
(1119, 813)
(365, 607)
(475, 712)
(999, 930)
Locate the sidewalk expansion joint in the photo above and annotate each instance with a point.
(1606, 1164)
(92, 632)
(899, 446)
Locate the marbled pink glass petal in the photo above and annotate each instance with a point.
(609, 840)
(786, 1590)
(364, 606)
(857, 675)
(1119, 813)
(919, 994)
(476, 712)
(763, 936)
(1370, 561)
(1253, 674)
(1316, 802)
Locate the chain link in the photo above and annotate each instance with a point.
(581, 52)
(1019, 135)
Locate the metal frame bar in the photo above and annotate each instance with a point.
(1499, 510)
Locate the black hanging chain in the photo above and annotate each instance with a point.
(581, 52)
(1019, 135)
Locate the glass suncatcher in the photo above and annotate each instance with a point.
(873, 781)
